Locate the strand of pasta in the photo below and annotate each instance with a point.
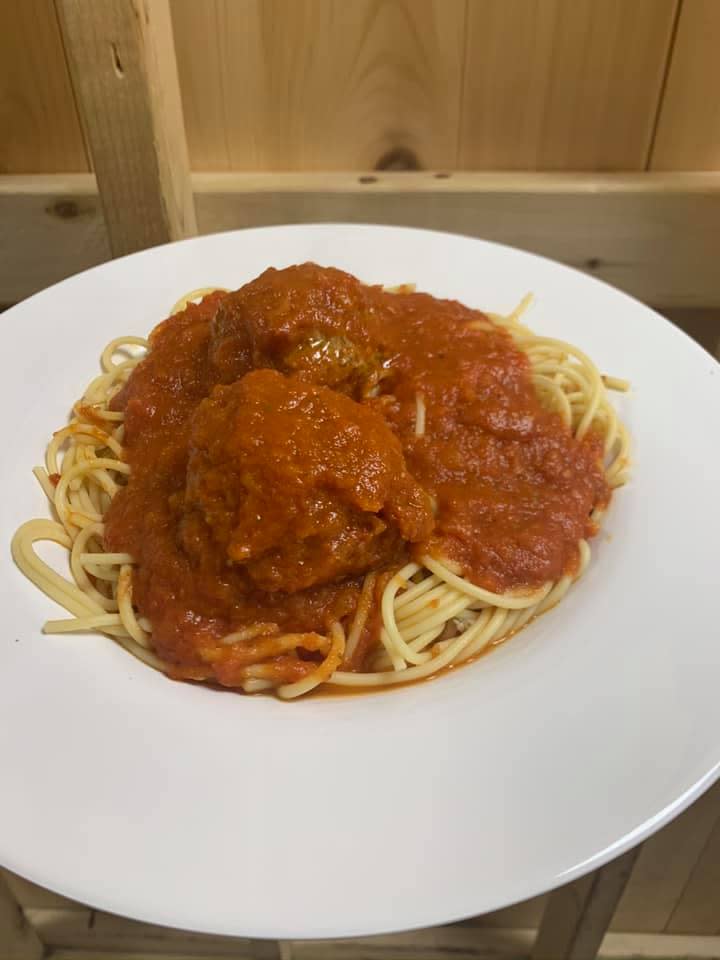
(79, 485)
(420, 595)
(197, 294)
(84, 462)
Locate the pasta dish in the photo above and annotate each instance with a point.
(314, 482)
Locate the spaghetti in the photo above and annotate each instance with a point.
(385, 625)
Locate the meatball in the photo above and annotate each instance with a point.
(304, 320)
(297, 484)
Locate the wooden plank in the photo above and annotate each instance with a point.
(659, 946)
(563, 84)
(702, 325)
(658, 239)
(83, 954)
(52, 227)
(122, 62)
(521, 916)
(201, 69)
(18, 941)
(94, 931)
(657, 236)
(29, 895)
(40, 123)
(561, 919)
(688, 134)
(578, 915)
(494, 944)
(698, 910)
(451, 942)
(332, 85)
(667, 859)
(459, 943)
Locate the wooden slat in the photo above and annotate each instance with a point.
(698, 910)
(18, 941)
(41, 129)
(29, 895)
(578, 915)
(688, 134)
(666, 860)
(452, 942)
(456, 942)
(199, 47)
(130, 954)
(122, 61)
(52, 227)
(450, 946)
(702, 325)
(563, 84)
(656, 238)
(521, 916)
(561, 918)
(141, 954)
(658, 946)
(331, 85)
(653, 235)
(96, 931)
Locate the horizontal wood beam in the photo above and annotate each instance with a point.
(657, 236)
(458, 941)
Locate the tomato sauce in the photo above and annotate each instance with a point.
(276, 459)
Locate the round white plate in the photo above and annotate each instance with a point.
(337, 816)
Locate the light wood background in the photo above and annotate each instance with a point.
(303, 85)
(275, 89)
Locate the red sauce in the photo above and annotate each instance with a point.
(271, 435)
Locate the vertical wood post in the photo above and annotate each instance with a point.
(18, 941)
(578, 915)
(121, 57)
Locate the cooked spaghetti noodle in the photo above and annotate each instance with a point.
(391, 625)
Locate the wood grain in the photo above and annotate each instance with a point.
(348, 84)
(444, 943)
(53, 227)
(96, 930)
(41, 129)
(451, 942)
(653, 235)
(329, 85)
(201, 70)
(122, 61)
(562, 84)
(688, 134)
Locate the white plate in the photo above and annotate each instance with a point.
(359, 815)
